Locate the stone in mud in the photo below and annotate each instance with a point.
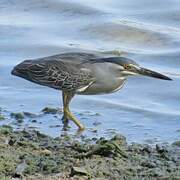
(18, 116)
(48, 165)
(20, 169)
(30, 115)
(55, 126)
(46, 152)
(106, 148)
(78, 171)
(34, 121)
(49, 110)
(161, 149)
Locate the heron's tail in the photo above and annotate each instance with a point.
(21, 69)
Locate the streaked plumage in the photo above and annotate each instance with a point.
(56, 74)
(81, 73)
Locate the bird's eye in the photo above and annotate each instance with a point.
(127, 66)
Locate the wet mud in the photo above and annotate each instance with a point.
(30, 154)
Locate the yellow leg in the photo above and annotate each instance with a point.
(67, 113)
(65, 118)
(74, 119)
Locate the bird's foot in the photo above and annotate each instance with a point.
(70, 116)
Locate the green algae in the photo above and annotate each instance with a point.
(7, 165)
(5, 129)
(19, 116)
(2, 117)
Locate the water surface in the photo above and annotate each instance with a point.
(145, 110)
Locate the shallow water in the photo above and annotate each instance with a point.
(145, 110)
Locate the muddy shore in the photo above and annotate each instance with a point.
(29, 154)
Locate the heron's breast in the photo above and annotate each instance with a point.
(102, 87)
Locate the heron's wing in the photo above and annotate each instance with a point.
(59, 75)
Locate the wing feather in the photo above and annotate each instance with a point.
(60, 75)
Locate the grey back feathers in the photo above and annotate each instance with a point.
(115, 60)
(75, 57)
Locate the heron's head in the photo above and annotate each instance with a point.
(130, 67)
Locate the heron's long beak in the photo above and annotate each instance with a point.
(150, 73)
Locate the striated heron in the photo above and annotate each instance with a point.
(81, 73)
